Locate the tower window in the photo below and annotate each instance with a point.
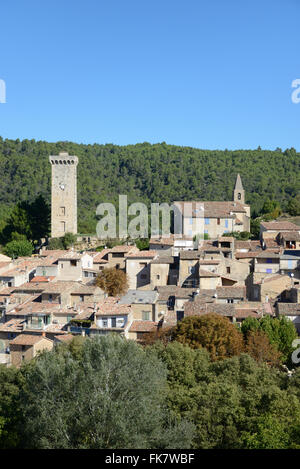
(239, 196)
(62, 210)
(63, 226)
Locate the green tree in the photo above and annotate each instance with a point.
(281, 332)
(293, 206)
(16, 249)
(11, 382)
(111, 396)
(68, 240)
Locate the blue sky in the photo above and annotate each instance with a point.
(209, 74)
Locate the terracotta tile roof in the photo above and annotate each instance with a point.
(290, 236)
(250, 245)
(192, 308)
(42, 278)
(162, 241)
(192, 254)
(245, 255)
(231, 292)
(65, 338)
(54, 252)
(100, 255)
(111, 306)
(141, 254)
(212, 209)
(13, 325)
(280, 226)
(124, 248)
(288, 309)
(143, 326)
(27, 339)
(163, 260)
(172, 290)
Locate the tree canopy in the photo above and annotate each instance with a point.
(147, 173)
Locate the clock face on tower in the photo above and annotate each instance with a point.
(62, 186)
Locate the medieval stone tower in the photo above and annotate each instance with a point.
(63, 194)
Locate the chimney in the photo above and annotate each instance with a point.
(195, 294)
(43, 334)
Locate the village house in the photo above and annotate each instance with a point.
(273, 228)
(138, 269)
(26, 346)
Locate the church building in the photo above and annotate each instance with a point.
(213, 219)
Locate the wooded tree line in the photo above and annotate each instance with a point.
(198, 389)
(148, 173)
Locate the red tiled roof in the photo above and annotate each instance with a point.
(27, 339)
(143, 326)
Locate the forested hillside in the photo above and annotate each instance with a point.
(149, 173)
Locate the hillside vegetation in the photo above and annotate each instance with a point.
(146, 172)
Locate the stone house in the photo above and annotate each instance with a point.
(138, 269)
(273, 228)
(27, 346)
(143, 304)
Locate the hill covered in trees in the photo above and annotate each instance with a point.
(148, 173)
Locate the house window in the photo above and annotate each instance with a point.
(81, 297)
(218, 221)
(73, 263)
(50, 298)
(206, 221)
(290, 264)
(228, 270)
(145, 315)
(113, 322)
(226, 223)
(269, 271)
(239, 196)
(191, 221)
(158, 277)
(104, 322)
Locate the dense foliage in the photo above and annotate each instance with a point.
(211, 331)
(147, 173)
(107, 392)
